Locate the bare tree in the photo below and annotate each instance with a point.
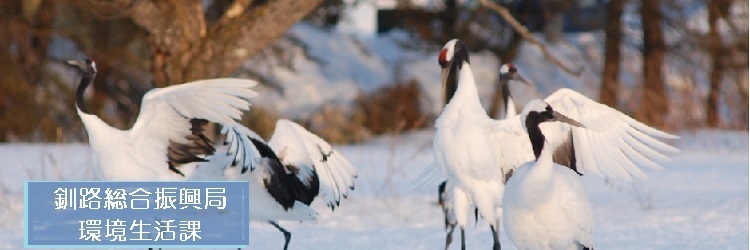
(717, 52)
(523, 32)
(137, 45)
(185, 47)
(553, 18)
(24, 39)
(613, 39)
(655, 104)
(519, 32)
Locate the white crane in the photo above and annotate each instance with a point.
(476, 152)
(546, 205)
(167, 140)
(506, 73)
(167, 143)
(296, 166)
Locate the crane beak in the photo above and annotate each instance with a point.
(449, 81)
(450, 73)
(76, 63)
(562, 118)
(518, 77)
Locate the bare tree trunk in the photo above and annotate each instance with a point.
(717, 65)
(21, 114)
(655, 104)
(553, 18)
(230, 43)
(611, 72)
(184, 48)
(38, 15)
(448, 18)
(184, 45)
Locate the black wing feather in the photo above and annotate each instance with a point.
(198, 146)
(282, 181)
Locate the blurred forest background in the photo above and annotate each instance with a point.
(140, 44)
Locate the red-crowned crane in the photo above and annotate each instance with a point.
(545, 205)
(506, 73)
(477, 153)
(167, 142)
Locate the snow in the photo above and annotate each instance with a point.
(325, 67)
(336, 66)
(332, 69)
(359, 18)
(698, 201)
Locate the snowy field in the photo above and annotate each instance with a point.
(699, 201)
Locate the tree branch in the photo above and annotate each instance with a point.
(111, 9)
(505, 14)
(236, 9)
(233, 40)
(175, 27)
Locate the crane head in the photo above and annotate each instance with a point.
(88, 66)
(537, 111)
(509, 72)
(451, 59)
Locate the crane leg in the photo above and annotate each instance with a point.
(495, 238)
(287, 234)
(463, 239)
(449, 236)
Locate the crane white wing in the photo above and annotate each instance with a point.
(297, 147)
(431, 174)
(611, 144)
(510, 143)
(165, 112)
(242, 146)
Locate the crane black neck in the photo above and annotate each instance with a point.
(506, 91)
(460, 56)
(451, 84)
(535, 134)
(86, 79)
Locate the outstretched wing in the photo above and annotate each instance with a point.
(431, 175)
(244, 147)
(510, 143)
(307, 155)
(611, 144)
(169, 115)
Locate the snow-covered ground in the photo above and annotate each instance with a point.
(699, 201)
